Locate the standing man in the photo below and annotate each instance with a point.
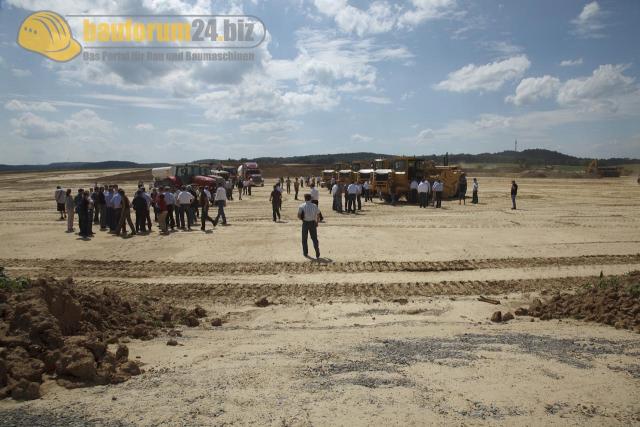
(352, 190)
(423, 190)
(462, 189)
(139, 205)
(205, 197)
(315, 199)
(288, 185)
(70, 207)
(276, 199)
(366, 187)
(438, 187)
(125, 217)
(392, 190)
(514, 193)
(116, 203)
(474, 194)
(170, 200)
(336, 193)
(359, 195)
(220, 201)
(296, 187)
(60, 197)
(308, 214)
(149, 201)
(184, 200)
(413, 187)
(240, 188)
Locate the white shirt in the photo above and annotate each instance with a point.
(60, 195)
(221, 195)
(352, 189)
(423, 187)
(334, 189)
(475, 185)
(413, 185)
(207, 193)
(309, 211)
(315, 194)
(358, 188)
(366, 185)
(185, 198)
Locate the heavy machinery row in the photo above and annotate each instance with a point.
(385, 175)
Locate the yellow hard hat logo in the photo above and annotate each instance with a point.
(48, 34)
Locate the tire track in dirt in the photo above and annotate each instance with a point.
(146, 269)
(291, 292)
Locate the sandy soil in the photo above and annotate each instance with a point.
(335, 348)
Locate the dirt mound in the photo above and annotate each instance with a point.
(614, 301)
(139, 175)
(50, 327)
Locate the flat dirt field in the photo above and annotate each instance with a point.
(385, 329)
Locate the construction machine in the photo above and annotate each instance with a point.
(184, 174)
(603, 171)
(326, 177)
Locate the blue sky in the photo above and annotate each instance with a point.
(413, 77)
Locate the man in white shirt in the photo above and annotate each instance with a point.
(366, 187)
(352, 189)
(60, 195)
(184, 200)
(413, 190)
(220, 200)
(359, 195)
(308, 213)
(315, 199)
(423, 193)
(438, 187)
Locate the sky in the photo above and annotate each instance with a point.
(411, 77)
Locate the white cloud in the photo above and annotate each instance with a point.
(81, 126)
(374, 99)
(533, 89)
(356, 137)
(502, 47)
(602, 89)
(270, 126)
(382, 17)
(485, 78)
(20, 73)
(144, 126)
(17, 105)
(425, 135)
(571, 62)
(588, 24)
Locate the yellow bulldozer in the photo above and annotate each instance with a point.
(603, 171)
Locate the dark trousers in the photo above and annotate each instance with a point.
(96, 214)
(170, 221)
(295, 189)
(438, 199)
(351, 203)
(141, 220)
(125, 219)
(117, 213)
(249, 190)
(220, 204)
(204, 216)
(414, 195)
(82, 223)
(275, 209)
(359, 200)
(474, 197)
(147, 216)
(288, 188)
(513, 201)
(310, 228)
(337, 203)
(108, 218)
(367, 196)
(423, 199)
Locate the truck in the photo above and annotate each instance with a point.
(184, 174)
(250, 171)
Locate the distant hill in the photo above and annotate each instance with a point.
(531, 157)
(110, 164)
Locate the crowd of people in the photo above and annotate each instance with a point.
(109, 207)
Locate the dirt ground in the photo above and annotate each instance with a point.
(384, 329)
